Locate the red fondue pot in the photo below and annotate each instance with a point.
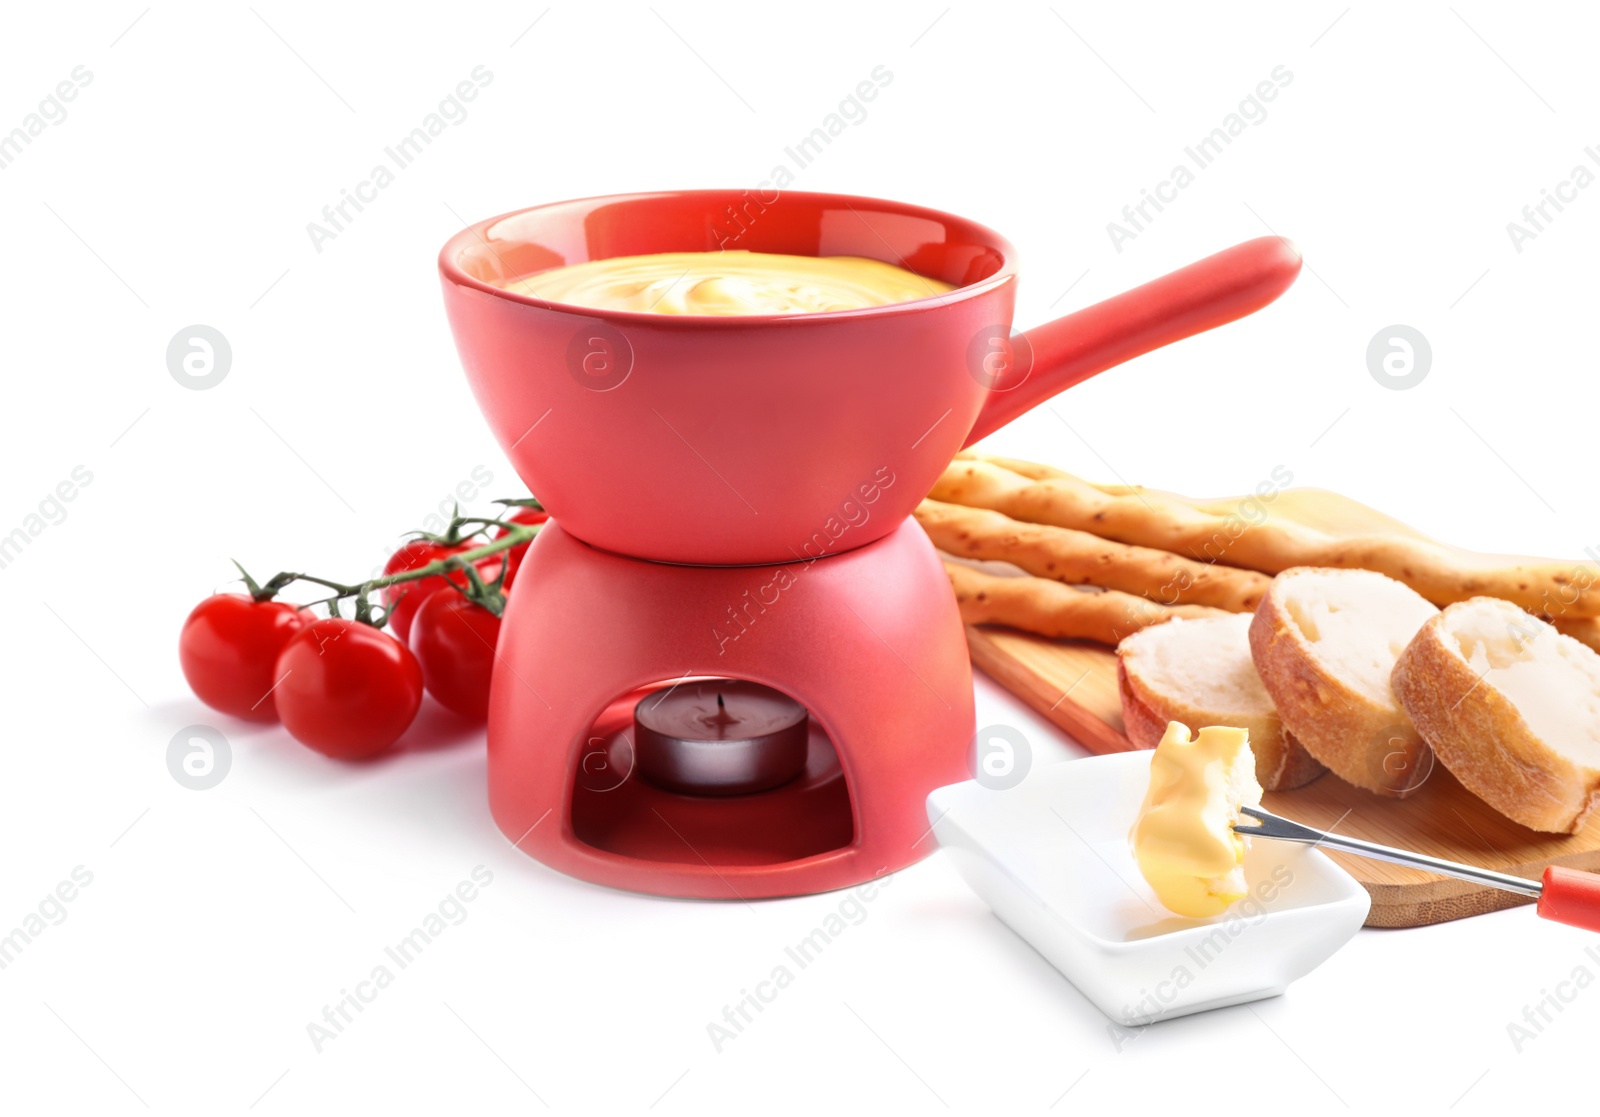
(745, 440)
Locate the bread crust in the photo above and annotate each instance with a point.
(1362, 742)
(1483, 739)
(1281, 761)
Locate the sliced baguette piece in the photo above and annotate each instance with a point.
(1324, 642)
(1199, 672)
(1512, 707)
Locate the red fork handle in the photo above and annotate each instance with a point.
(1209, 293)
(1571, 896)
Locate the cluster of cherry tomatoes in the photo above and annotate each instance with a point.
(346, 687)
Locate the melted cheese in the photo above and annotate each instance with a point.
(1183, 838)
(724, 283)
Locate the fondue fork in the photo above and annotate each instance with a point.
(1565, 895)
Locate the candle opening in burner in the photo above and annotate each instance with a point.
(719, 737)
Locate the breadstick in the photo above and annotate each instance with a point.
(1051, 609)
(1034, 471)
(1080, 558)
(1150, 519)
(1037, 472)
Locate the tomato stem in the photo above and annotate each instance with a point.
(490, 595)
(259, 592)
(256, 592)
(487, 594)
(453, 535)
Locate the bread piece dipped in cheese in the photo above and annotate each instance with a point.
(1183, 838)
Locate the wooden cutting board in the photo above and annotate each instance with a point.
(1074, 685)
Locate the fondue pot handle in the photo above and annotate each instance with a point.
(1051, 358)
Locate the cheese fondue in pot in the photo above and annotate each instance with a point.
(728, 283)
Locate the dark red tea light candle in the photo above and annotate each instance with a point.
(719, 737)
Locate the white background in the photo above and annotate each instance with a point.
(177, 191)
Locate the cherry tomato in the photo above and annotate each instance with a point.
(454, 640)
(405, 598)
(347, 690)
(229, 647)
(515, 556)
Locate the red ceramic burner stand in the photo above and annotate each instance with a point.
(869, 641)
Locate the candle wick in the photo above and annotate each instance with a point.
(719, 701)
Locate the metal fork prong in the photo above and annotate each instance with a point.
(1270, 825)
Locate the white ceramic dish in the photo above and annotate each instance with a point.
(1051, 857)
